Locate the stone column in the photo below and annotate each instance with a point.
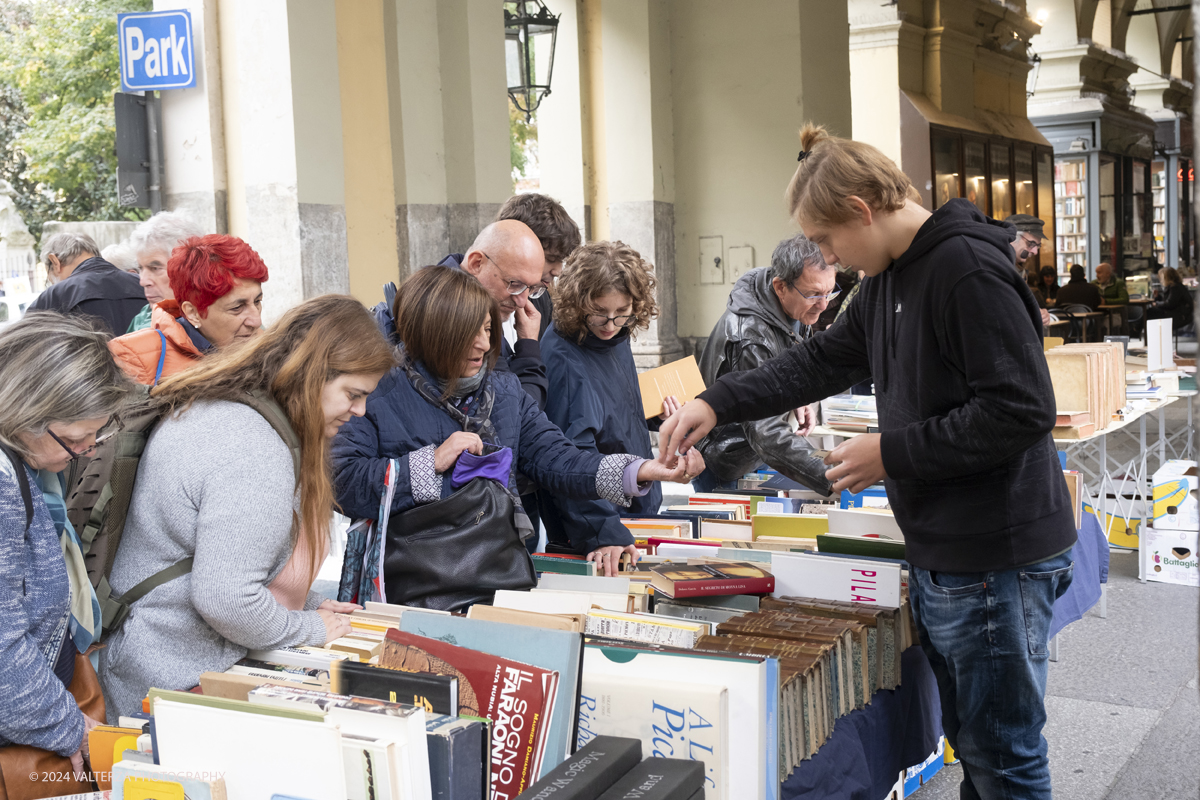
(640, 156)
(193, 128)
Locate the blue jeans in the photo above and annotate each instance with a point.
(985, 634)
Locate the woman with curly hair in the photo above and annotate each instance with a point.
(606, 295)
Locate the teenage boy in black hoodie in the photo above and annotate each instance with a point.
(951, 336)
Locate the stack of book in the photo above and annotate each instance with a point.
(854, 413)
(1088, 378)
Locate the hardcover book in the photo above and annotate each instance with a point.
(691, 580)
(586, 775)
(673, 719)
(456, 770)
(659, 779)
(437, 694)
(560, 651)
(518, 698)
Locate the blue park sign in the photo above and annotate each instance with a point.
(156, 50)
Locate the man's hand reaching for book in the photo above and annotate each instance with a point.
(857, 463)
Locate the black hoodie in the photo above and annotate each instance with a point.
(952, 337)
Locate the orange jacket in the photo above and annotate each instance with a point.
(138, 353)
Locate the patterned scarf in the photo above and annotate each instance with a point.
(474, 413)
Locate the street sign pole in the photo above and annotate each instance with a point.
(153, 107)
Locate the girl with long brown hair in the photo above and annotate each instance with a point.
(234, 486)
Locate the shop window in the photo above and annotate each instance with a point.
(1070, 211)
(1109, 241)
(975, 167)
(1002, 194)
(1158, 192)
(1045, 206)
(945, 169)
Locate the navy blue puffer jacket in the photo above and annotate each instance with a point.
(595, 400)
(401, 424)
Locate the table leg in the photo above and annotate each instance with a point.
(1162, 437)
(1104, 601)
(1053, 649)
(1143, 479)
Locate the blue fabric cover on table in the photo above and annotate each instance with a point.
(863, 758)
(1091, 570)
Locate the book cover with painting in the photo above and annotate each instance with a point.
(673, 719)
(517, 698)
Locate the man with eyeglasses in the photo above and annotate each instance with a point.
(769, 310)
(1027, 245)
(507, 258)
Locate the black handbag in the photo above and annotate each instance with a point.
(457, 551)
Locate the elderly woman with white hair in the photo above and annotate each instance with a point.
(152, 243)
(60, 392)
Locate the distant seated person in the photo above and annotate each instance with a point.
(449, 431)
(770, 309)
(1112, 287)
(1049, 285)
(1078, 292)
(605, 297)
(217, 285)
(1177, 303)
(81, 282)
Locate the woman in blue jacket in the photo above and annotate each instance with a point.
(605, 296)
(434, 407)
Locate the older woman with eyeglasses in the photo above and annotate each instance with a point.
(606, 295)
(59, 391)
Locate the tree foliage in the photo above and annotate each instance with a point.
(59, 68)
(522, 141)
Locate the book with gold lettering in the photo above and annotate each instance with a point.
(518, 699)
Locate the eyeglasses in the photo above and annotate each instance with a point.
(110, 430)
(516, 287)
(816, 298)
(599, 320)
(1031, 243)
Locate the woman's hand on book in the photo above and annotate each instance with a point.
(340, 608)
(447, 453)
(336, 625)
(671, 404)
(684, 469)
(608, 559)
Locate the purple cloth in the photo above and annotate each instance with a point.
(629, 481)
(496, 465)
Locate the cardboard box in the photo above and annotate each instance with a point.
(1175, 504)
(1172, 556)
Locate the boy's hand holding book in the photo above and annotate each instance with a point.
(858, 463)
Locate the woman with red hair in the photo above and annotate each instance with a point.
(217, 281)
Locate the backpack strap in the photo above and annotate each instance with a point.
(273, 413)
(23, 482)
(162, 358)
(114, 610)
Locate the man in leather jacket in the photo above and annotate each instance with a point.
(769, 310)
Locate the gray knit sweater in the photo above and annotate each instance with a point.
(215, 483)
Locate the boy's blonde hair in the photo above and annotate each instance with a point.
(831, 170)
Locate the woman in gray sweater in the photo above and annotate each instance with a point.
(217, 485)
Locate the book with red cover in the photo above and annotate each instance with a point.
(698, 580)
(517, 698)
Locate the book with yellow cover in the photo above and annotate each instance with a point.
(801, 526)
(680, 379)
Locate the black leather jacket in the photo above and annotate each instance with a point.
(752, 331)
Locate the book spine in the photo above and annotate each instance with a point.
(641, 631)
(702, 588)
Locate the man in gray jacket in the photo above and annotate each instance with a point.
(769, 310)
